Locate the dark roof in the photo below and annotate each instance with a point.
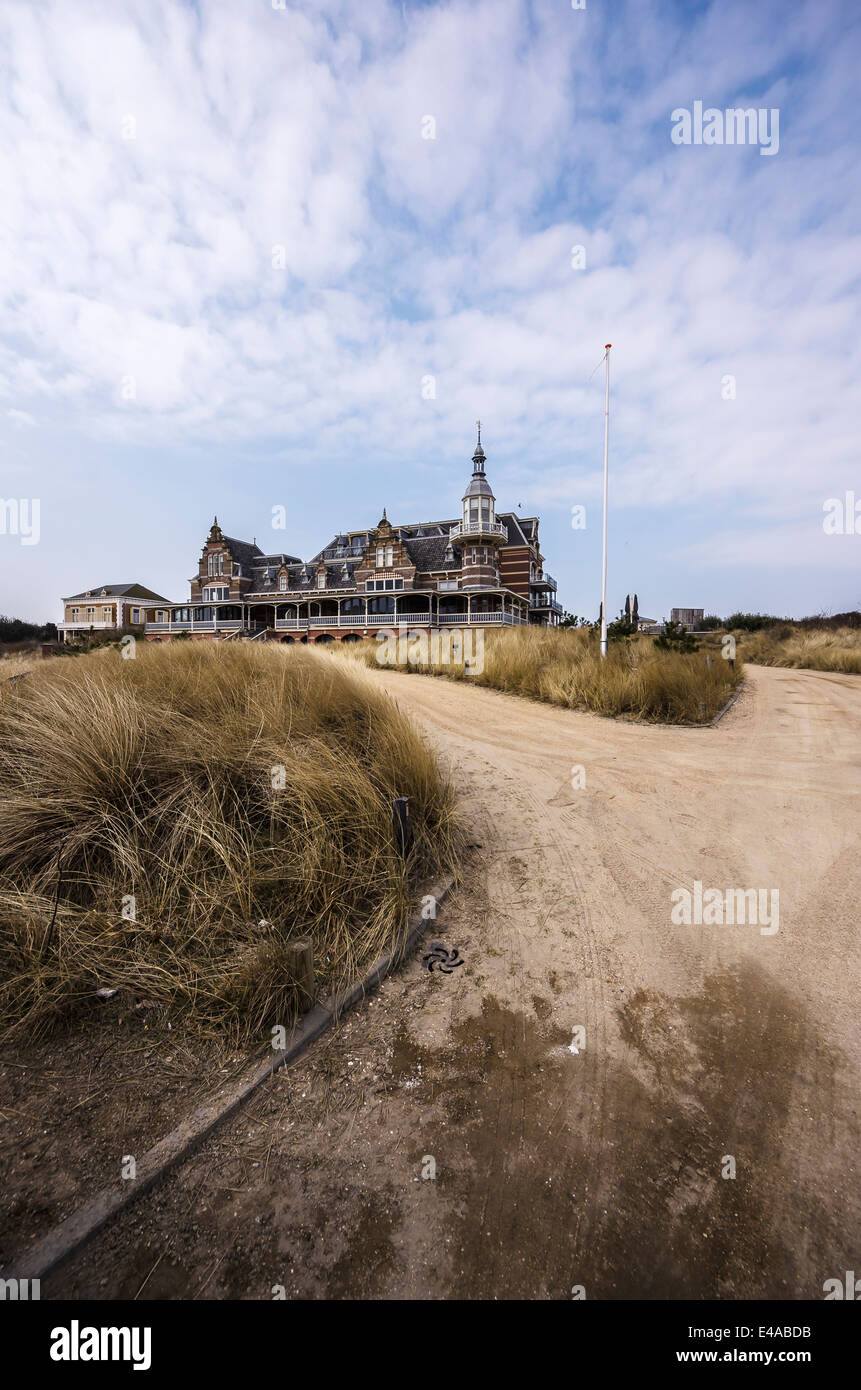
(424, 541)
(514, 528)
(118, 591)
(428, 553)
(244, 551)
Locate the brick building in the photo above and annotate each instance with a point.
(482, 568)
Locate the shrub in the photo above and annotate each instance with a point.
(152, 779)
(566, 668)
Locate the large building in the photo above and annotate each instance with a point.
(478, 569)
(108, 607)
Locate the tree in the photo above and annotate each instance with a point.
(620, 629)
(676, 638)
(17, 630)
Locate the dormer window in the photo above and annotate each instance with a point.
(282, 583)
(321, 580)
(214, 565)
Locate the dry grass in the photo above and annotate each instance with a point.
(153, 778)
(564, 667)
(817, 649)
(17, 664)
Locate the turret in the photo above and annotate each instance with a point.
(479, 535)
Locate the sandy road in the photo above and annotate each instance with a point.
(554, 1169)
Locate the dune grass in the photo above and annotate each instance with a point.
(17, 664)
(172, 803)
(564, 667)
(803, 647)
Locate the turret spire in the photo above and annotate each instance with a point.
(478, 458)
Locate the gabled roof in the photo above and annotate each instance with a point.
(118, 591)
(245, 552)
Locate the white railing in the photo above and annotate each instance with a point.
(85, 622)
(396, 620)
(225, 625)
(466, 530)
(234, 627)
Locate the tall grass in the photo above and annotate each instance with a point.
(817, 649)
(564, 667)
(148, 789)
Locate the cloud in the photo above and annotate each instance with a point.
(223, 227)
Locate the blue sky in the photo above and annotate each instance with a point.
(232, 258)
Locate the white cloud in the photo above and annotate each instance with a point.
(151, 257)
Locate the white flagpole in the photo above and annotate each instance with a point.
(607, 347)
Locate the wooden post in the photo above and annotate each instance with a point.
(300, 956)
(401, 823)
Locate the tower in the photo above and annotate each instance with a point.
(479, 535)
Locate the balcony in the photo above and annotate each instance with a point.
(477, 531)
(85, 623)
(544, 603)
(377, 620)
(225, 625)
(543, 580)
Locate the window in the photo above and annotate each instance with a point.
(91, 613)
(106, 615)
(203, 615)
(381, 555)
(215, 564)
(321, 581)
(282, 583)
(353, 605)
(136, 615)
(217, 594)
(381, 605)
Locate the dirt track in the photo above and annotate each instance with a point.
(602, 1168)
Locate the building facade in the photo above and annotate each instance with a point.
(118, 607)
(482, 568)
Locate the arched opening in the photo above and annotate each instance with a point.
(287, 639)
(351, 637)
(324, 637)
